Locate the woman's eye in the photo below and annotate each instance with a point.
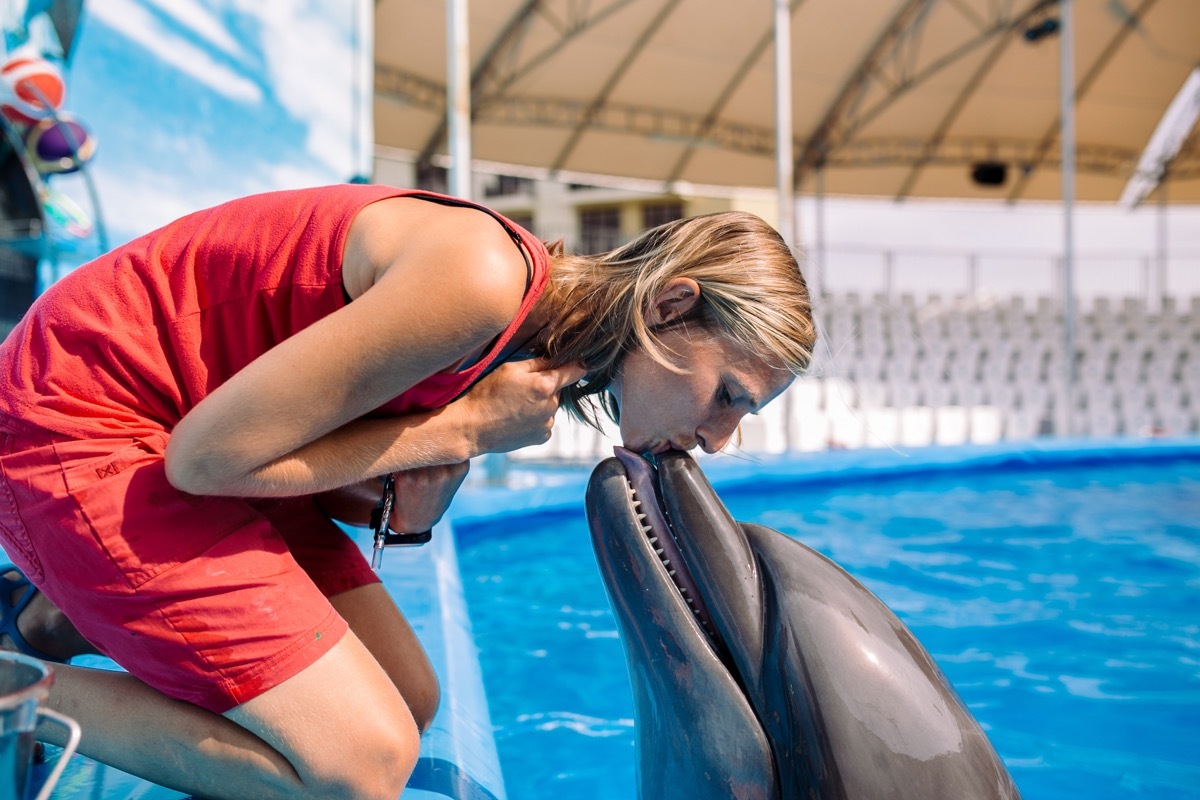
(725, 397)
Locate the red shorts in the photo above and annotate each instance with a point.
(212, 600)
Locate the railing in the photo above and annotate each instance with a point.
(894, 272)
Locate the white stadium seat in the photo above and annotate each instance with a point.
(951, 425)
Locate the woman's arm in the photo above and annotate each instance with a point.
(442, 282)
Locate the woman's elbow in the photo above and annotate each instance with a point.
(195, 473)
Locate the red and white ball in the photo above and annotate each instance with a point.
(30, 88)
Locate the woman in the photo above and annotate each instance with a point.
(181, 418)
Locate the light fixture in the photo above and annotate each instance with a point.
(1165, 142)
(1047, 27)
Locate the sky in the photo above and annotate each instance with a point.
(194, 102)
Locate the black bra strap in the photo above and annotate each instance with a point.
(516, 237)
(453, 201)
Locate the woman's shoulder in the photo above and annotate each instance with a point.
(467, 251)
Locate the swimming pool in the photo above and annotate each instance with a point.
(1060, 599)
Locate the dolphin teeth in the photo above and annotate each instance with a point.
(671, 572)
(653, 539)
(659, 550)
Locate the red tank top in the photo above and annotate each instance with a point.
(129, 343)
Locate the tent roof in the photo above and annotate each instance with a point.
(895, 98)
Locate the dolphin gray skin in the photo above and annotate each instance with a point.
(760, 668)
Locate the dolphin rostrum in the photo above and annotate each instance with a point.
(760, 668)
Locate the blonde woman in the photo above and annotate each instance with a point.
(181, 418)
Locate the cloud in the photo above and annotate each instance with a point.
(140, 199)
(133, 21)
(202, 22)
(313, 68)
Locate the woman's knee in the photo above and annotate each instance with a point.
(342, 725)
(378, 767)
(423, 696)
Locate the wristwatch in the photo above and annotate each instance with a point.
(384, 537)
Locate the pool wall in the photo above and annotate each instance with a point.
(734, 472)
(458, 753)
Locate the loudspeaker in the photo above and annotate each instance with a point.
(989, 173)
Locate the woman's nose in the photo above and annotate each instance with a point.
(714, 436)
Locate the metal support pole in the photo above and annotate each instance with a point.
(362, 126)
(458, 98)
(1163, 244)
(1148, 282)
(785, 180)
(820, 274)
(784, 174)
(1066, 91)
(889, 274)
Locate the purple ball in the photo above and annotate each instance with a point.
(50, 145)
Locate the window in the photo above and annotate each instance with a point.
(599, 229)
(524, 219)
(657, 214)
(432, 179)
(506, 185)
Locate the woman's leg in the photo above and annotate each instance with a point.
(337, 567)
(243, 680)
(337, 729)
(382, 628)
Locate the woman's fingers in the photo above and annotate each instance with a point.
(424, 494)
(569, 374)
(515, 405)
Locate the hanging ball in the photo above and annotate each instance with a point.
(30, 88)
(51, 144)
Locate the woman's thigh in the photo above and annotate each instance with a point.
(198, 597)
(207, 599)
(338, 568)
(383, 629)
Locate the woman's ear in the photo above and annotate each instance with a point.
(673, 301)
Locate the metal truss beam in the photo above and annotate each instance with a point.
(698, 130)
(1131, 24)
(739, 75)
(598, 102)
(890, 62)
(508, 57)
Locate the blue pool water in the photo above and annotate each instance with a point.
(1063, 604)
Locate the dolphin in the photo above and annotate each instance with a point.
(760, 669)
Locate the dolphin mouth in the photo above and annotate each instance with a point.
(645, 494)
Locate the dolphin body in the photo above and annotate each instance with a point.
(760, 668)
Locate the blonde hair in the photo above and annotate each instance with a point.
(751, 291)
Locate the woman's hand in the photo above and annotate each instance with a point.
(351, 504)
(424, 494)
(514, 406)
(422, 497)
